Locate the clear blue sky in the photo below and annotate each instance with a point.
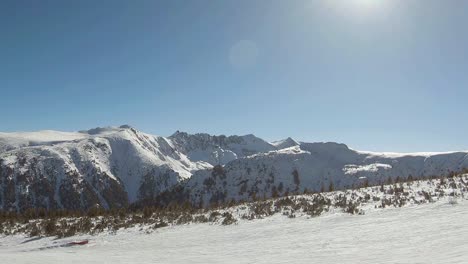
(376, 75)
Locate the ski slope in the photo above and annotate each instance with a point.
(431, 233)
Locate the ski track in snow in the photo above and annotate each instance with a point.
(431, 233)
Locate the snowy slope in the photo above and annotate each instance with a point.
(9, 141)
(431, 233)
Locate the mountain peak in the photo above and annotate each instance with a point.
(126, 126)
(100, 130)
(285, 143)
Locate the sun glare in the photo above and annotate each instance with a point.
(357, 7)
(367, 4)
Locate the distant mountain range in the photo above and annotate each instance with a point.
(116, 166)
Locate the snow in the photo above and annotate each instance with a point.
(126, 155)
(117, 152)
(10, 141)
(285, 143)
(407, 154)
(288, 151)
(212, 155)
(375, 167)
(317, 166)
(43, 136)
(431, 233)
(217, 150)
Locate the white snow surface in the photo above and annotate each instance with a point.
(405, 154)
(10, 141)
(375, 167)
(430, 233)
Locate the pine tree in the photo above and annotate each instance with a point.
(296, 179)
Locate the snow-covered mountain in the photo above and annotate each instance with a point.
(219, 149)
(112, 167)
(106, 166)
(285, 143)
(314, 167)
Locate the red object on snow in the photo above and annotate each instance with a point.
(78, 243)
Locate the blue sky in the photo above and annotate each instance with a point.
(376, 75)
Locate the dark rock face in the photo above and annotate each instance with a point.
(32, 186)
(155, 182)
(49, 183)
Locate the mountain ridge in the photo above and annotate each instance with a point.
(113, 167)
